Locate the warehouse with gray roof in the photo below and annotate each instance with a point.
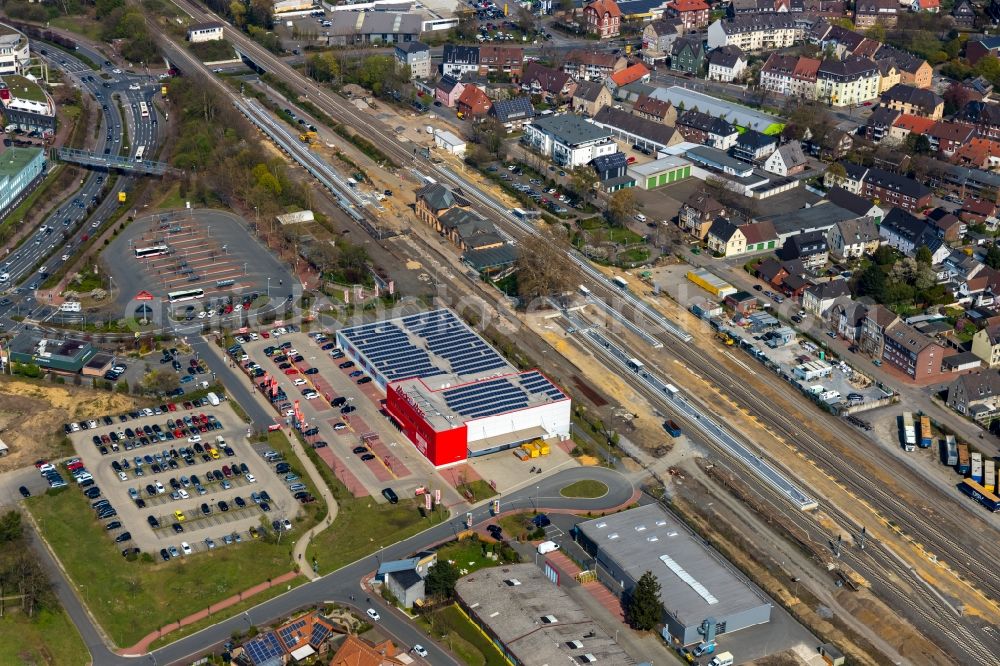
(702, 594)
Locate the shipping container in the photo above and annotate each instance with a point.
(989, 475)
(980, 494)
(909, 432)
(926, 437)
(672, 427)
(949, 451)
(963, 459)
(976, 474)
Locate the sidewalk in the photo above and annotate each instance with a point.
(142, 646)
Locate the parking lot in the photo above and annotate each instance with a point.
(211, 251)
(202, 484)
(344, 420)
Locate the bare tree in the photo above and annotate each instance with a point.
(543, 269)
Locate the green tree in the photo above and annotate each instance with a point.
(884, 256)
(876, 32)
(441, 579)
(643, 608)
(872, 282)
(10, 527)
(582, 179)
(621, 206)
(160, 381)
(993, 256)
(924, 255)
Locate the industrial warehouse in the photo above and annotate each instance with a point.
(702, 594)
(532, 620)
(451, 393)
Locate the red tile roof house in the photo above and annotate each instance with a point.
(637, 72)
(472, 104)
(604, 18)
(692, 13)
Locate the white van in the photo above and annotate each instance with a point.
(547, 547)
(70, 306)
(722, 659)
(213, 399)
(4, 277)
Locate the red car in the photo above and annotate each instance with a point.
(291, 371)
(265, 335)
(172, 407)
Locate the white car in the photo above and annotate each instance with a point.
(286, 525)
(420, 650)
(134, 86)
(194, 439)
(183, 493)
(47, 467)
(202, 314)
(299, 382)
(159, 488)
(237, 307)
(116, 71)
(75, 427)
(65, 257)
(311, 396)
(93, 424)
(251, 478)
(123, 476)
(254, 336)
(373, 614)
(186, 548)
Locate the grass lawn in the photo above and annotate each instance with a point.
(478, 489)
(172, 198)
(451, 627)
(81, 25)
(635, 255)
(514, 527)
(623, 236)
(586, 488)
(131, 599)
(467, 554)
(47, 638)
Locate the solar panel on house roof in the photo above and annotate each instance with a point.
(287, 634)
(320, 632)
(264, 648)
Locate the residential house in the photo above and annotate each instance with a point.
(946, 138)
(752, 146)
(915, 101)
(809, 247)
(513, 113)
(448, 90)
(416, 56)
(907, 234)
(590, 97)
(820, 217)
(212, 31)
(909, 350)
(569, 140)
(906, 125)
(754, 33)
(851, 239)
(472, 104)
(612, 172)
(977, 395)
(603, 18)
(553, 85)
(880, 123)
(658, 38)
(726, 63)
(593, 66)
(986, 345)
(913, 70)
(847, 82)
(858, 205)
(469, 230)
(693, 14)
(300, 638)
(772, 271)
(893, 189)
(843, 41)
(847, 317)
(964, 15)
(687, 55)
(888, 74)
(984, 116)
(725, 238)
(637, 73)
(852, 180)
(978, 154)
(702, 128)
(633, 130)
(503, 60)
(836, 146)
(976, 50)
(760, 236)
(356, 651)
(698, 213)
(869, 12)
(657, 110)
(787, 160)
(819, 298)
(929, 6)
(873, 330)
(457, 59)
(790, 75)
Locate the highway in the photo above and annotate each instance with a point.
(932, 518)
(83, 211)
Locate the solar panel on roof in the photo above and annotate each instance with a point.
(287, 634)
(264, 648)
(320, 632)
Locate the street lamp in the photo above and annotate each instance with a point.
(269, 288)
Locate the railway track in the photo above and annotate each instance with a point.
(938, 532)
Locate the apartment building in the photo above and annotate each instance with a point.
(847, 82)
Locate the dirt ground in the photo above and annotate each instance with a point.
(32, 415)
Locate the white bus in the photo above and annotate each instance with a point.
(143, 110)
(151, 251)
(620, 282)
(185, 295)
(139, 153)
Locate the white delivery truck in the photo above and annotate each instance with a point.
(722, 659)
(547, 547)
(70, 306)
(213, 399)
